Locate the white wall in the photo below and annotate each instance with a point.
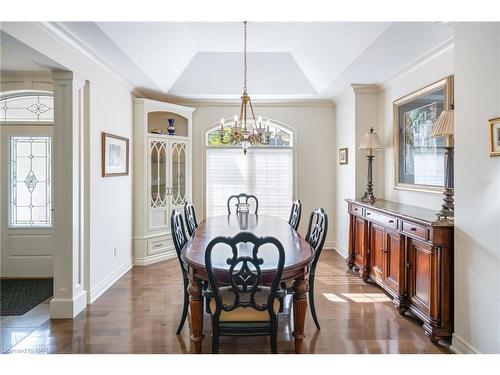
(313, 123)
(477, 187)
(111, 197)
(344, 175)
(419, 76)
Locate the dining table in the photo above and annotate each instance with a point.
(299, 256)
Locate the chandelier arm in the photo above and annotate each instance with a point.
(251, 109)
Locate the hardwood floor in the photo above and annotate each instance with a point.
(140, 314)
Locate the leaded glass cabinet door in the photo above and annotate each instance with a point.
(179, 172)
(159, 184)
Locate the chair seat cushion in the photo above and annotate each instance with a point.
(244, 314)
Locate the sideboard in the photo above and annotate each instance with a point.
(409, 253)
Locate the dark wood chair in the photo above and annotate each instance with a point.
(190, 216)
(180, 239)
(239, 304)
(316, 235)
(241, 198)
(295, 213)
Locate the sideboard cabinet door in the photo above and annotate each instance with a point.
(394, 263)
(377, 249)
(420, 266)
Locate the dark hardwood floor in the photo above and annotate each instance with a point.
(140, 313)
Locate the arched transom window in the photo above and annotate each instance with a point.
(27, 106)
(266, 171)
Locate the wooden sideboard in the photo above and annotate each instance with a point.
(406, 251)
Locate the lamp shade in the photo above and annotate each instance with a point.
(444, 125)
(370, 141)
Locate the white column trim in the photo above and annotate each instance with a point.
(69, 294)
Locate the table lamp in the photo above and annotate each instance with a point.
(370, 142)
(443, 127)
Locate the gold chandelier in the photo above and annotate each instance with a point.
(241, 131)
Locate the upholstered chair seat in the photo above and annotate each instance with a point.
(245, 314)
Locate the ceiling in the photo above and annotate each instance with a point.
(285, 60)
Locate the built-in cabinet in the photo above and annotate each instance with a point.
(162, 176)
(407, 252)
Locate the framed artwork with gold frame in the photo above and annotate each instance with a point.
(114, 155)
(419, 160)
(494, 136)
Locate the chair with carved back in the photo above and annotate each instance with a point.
(190, 216)
(180, 239)
(240, 305)
(295, 213)
(241, 198)
(316, 235)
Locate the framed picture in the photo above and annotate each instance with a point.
(343, 156)
(494, 135)
(114, 154)
(419, 159)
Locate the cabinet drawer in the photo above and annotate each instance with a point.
(416, 230)
(159, 245)
(355, 210)
(385, 220)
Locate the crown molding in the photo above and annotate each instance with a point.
(361, 88)
(440, 49)
(60, 33)
(262, 102)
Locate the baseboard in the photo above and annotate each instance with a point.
(339, 249)
(153, 259)
(105, 284)
(68, 308)
(460, 346)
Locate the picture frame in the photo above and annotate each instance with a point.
(419, 160)
(494, 136)
(114, 155)
(343, 156)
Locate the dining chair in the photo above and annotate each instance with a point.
(180, 239)
(295, 213)
(240, 305)
(190, 216)
(241, 198)
(316, 235)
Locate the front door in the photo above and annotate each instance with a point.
(26, 176)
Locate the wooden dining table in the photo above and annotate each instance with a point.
(298, 258)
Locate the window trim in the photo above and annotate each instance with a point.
(205, 147)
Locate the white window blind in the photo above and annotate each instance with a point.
(265, 173)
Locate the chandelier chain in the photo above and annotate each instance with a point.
(245, 58)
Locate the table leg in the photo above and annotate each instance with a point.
(300, 288)
(196, 307)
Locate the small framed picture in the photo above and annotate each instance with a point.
(494, 135)
(115, 155)
(343, 156)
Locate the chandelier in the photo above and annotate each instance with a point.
(243, 131)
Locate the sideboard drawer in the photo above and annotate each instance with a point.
(355, 210)
(416, 230)
(385, 220)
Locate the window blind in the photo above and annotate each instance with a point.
(265, 173)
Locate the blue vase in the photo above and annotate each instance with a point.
(171, 126)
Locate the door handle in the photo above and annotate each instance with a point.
(408, 265)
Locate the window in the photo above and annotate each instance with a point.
(265, 171)
(30, 167)
(32, 107)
